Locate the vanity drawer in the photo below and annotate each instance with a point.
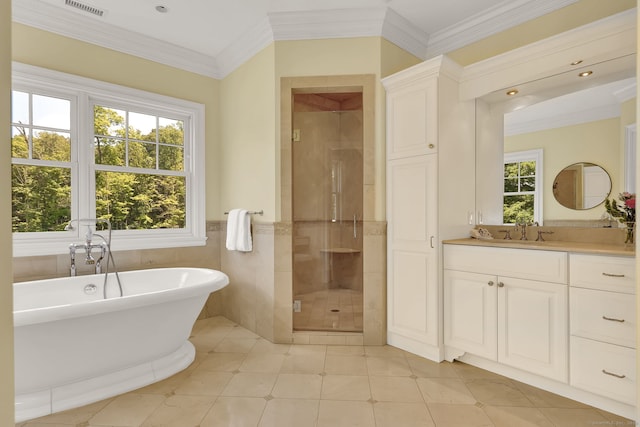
(608, 273)
(604, 369)
(545, 266)
(603, 316)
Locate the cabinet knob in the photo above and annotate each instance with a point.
(500, 285)
(432, 146)
(490, 283)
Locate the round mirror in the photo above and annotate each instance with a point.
(581, 186)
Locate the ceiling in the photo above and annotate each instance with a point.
(213, 37)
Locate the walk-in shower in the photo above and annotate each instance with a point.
(327, 208)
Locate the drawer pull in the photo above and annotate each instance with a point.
(612, 275)
(604, 371)
(613, 319)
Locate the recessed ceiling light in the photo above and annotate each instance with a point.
(579, 61)
(585, 73)
(512, 92)
(162, 9)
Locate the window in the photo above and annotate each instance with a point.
(88, 149)
(522, 187)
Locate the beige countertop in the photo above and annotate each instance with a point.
(581, 247)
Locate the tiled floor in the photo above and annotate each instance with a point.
(329, 310)
(239, 379)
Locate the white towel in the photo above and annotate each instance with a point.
(239, 230)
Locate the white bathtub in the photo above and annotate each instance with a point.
(74, 348)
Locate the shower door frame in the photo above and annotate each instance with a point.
(373, 247)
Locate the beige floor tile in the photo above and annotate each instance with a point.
(470, 372)
(250, 384)
(510, 416)
(180, 411)
(298, 386)
(383, 351)
(303, 364)
(167, 386)
(544, 399)
(616, 420)
(345, 414)
(265, 346)
(240, 332)
(395, 414)
(235, 412)
(346, 387)
(345, 350)
(73, 416)
(388, 366)
(427, 369)
(290, 413)
(222, 362)
(497, 393)
(395, 389)
(205, 384)
(445, 390)
(308, 350)
(345, 365)
(262, 362)
(446, 415)
(574, 417)
(128, 410)
(235, 345)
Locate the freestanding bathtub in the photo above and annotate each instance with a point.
(73, 347)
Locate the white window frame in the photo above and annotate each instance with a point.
(525, 156)
(83, 93)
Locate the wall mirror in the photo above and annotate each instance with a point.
(586, 122)
(581, 186)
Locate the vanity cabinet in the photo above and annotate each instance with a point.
(493, 309)
(430, 191)
(603, 325)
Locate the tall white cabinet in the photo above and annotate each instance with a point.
(430, 196)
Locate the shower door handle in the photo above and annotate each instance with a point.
(355, 226)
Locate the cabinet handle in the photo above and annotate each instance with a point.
(612, 319)
(432, 146)
(604, 371)
(431, 242)
(612, 275)
(490, 283)
(500, 285)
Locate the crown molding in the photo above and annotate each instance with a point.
(492, 21)
(602, 112)
(404, 34)
(244, 48)
(64, 22)
(602, 40)
(627, 93)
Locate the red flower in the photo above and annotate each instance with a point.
(630, 203)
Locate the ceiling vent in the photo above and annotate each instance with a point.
(84, 7)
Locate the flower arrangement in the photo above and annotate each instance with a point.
(624, 210)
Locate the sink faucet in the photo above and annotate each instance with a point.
(523, 228)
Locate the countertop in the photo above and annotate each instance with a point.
(580, 247)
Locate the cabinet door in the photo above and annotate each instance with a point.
(470, 312)
(412, 112)
(533, 326)
(412, 281)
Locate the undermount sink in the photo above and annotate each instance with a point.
(516, 241)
